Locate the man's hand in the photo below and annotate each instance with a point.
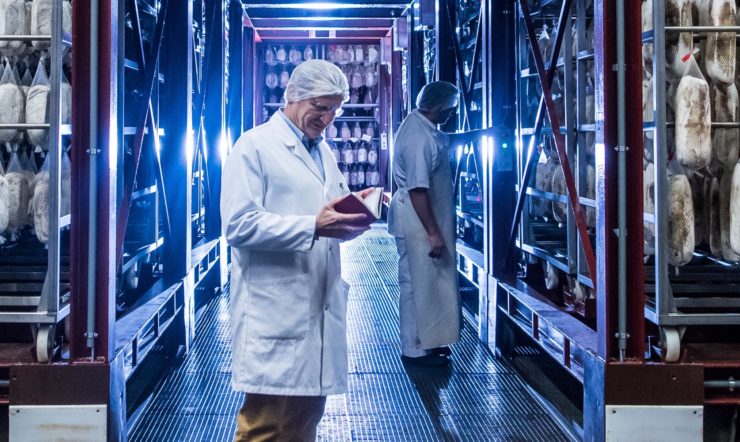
(332, 224)
(437, 246)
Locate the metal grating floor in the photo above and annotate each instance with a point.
(477, 399)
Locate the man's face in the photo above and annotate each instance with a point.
(441, 116)
(315, 114)
(446, 114)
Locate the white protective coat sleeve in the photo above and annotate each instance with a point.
(246, 223)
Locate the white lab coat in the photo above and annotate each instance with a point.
(288, 300)
(429, 291)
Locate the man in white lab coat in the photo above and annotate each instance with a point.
(288, 300)
(421, 218)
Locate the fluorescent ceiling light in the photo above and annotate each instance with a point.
(326, 6)
(322, 6)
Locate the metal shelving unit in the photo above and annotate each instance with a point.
(704, 292)
(266, 98)
(557, 242)
(34, 279)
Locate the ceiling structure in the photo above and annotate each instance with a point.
(340, 18)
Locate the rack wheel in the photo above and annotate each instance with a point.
(671, 344)
(44, 343)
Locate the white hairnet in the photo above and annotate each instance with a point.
(437, 95)
(316, 78)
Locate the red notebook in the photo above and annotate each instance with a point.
(371, 205)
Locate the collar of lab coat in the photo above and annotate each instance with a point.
(426, 121)
(291, 141)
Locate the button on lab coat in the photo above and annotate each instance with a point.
(288, 300)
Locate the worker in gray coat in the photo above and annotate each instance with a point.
(421, 218)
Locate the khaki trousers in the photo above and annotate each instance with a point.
(268, 418)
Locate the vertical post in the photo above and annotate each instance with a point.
(106, 170)
(606, 185)
(177, 154)
(445, 68)
(249, 78)
(570, 140)
(238, 101)
(415, 66)
(215, 115)
(499, 86)
(386, 136)
(606, 176)
(635, 229)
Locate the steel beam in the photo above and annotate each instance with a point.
(106, 171)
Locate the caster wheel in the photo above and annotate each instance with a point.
(670, 344)
(44, 343)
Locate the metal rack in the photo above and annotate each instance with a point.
(558, 244)
(705, 291)
(35, 282)
(142, 212)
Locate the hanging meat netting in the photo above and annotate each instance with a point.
(11, 97)
(678, 45)
(693, 118)
(37, 107)
(19, 195)
(40, 204)
(725, 141)
(721, 46)
(12, 22)
(41, 20)
(681, 238)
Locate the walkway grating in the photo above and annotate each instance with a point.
(477, 399)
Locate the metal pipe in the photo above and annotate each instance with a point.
(90, 334)
(25, 126)
(728, 384)
(702, 28)
(25, 37)
(4, 383)
(622, 183)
